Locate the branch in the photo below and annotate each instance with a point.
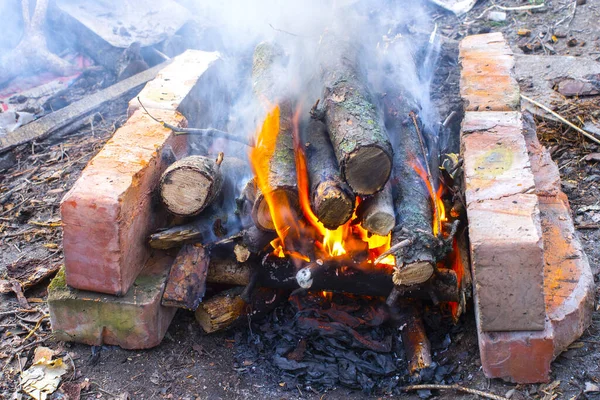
(563, 120)
(454, 387)
(208, 132)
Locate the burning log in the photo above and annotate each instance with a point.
(189, 185)
(412, 200)
(227, 308)
(377, 213)
(414, 337)
(187, 279)
(354, 123)
(332, 200)
(345, 276)
(273, 157)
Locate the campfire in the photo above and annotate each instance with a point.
(341, 196)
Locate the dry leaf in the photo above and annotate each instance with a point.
(592, 157)
(43, 377)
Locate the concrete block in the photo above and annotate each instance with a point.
(134, 321)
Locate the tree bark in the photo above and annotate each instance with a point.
(414, 338)
(377, 213)
(280, 166)
(355, 125)
(189, 185)
(332, 200)
(412, 200)
(187, 279)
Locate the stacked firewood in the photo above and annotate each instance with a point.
(225, 223)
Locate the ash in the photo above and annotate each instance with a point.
(318, 342)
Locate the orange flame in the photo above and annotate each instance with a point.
(437, 205)
(347, 238)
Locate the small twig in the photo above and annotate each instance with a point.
(393, 249)
(209, 132)
(568, 17)
(282, 31)
(454, 387)
(563, 120)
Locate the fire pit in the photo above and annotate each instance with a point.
(348, 207)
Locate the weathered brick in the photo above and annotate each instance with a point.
(496, 163)
(175, 82)
(134, 321)
(545, 171)
(110, 210)
(507, 263)
(487, 82)
(526, 356)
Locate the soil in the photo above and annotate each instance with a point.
(191, 365)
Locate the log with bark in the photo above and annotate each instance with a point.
(354, 122)
(415, 263)
(278, 163)
(227, 309)
(189, 185)
(187, 279)
(376, 213)
(332, 200)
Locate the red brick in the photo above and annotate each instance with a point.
(175, 82)
(109, 212)
(496, 163)
(507, 263)
(525, 357)
(487, 82)
(545, 171)
(134, 321)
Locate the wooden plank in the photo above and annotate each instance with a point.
(53, 122)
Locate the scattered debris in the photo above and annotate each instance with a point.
(43, 377)
(497, 16)
(458, 7)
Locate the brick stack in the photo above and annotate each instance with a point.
(533, 286)
(111, 287)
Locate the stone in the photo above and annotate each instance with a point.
(507, 263)
(487, 82)
(135, 321)
(496, 163)
(109, 212)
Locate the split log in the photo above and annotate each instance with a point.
(414, 338)
(332, 200)
(354, 123)
(186, 284)
(227, 308)
(277, 165)
(229, 272)
(412, 200)
(189, 185)
(377, 213)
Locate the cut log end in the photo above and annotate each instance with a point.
(332, 205)
(189, 185)
(287, 198)
(413, 274)
(367, 169)
(379, 223)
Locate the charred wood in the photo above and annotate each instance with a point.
(332, 200)
(414, 338)
(355, 125)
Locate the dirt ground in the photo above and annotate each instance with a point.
(192, 365)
